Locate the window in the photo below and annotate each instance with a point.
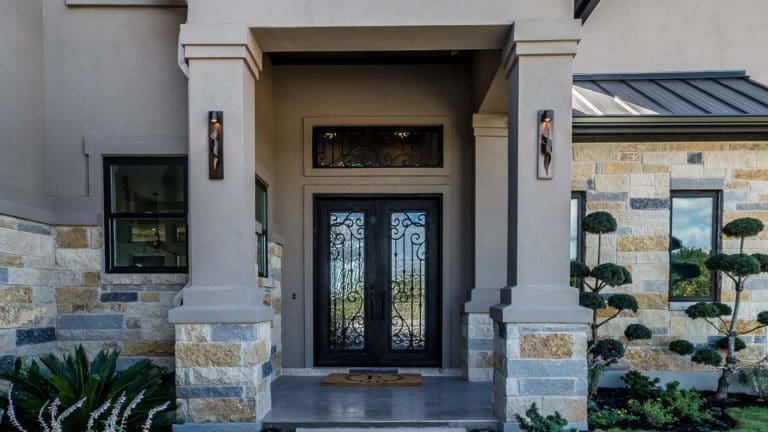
(577, 235)
(261, 228)
(377, 146)
(145, 212)
(694, 237)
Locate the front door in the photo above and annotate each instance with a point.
(377, 281)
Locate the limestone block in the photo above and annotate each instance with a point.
(79, 259)
(30, 276)
(639, 243)
(156, 329)
(655, 168)
(21, 315)
(571, 408)
(621, 168)
(71, 237)
(15, 294)
(697, 146)
(695, 171)
(583, 170)
(546, 346)
(208, 354)
(222, 410)
(150, 349)
(611, 183)
(76, 295)
(256, 353)
(750, 174)
(7, 260)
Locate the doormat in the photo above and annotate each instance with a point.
(372, 379)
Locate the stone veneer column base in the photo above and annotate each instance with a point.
(223, 375)
(477, 347)
(543, 364)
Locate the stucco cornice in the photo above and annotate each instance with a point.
(541, 38)
(222, 42)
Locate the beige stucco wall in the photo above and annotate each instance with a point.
(306, 91)
(616, 174)
(22, 110)
(679, 35)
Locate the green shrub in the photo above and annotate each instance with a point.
(707, 356)
(608, 417)
(599, 222)
(98, 381)
(738, 343)
(756, 379)
(536, 422)
(681, 347)
(641, 387)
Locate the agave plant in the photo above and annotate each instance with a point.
(94, 385)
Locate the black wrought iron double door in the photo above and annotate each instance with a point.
(377, 281)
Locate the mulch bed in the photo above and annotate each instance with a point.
(617, 397)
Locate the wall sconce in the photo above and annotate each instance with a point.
(545, 143)
(215, 145)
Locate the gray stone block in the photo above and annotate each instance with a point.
(735, 196)
(485, 344)
(752, 206)
(538, 368)
(266, 368)
(85, 322)
(607, 196)
(6, 362)
(548, 387)
(33, 228)
(3, 275)
(113, 335)
(696, 183)
(233, 332)
(696, 158)
(35, 335)
(756, 283)
(217, 427)
(649, 203)
(110, 296)
(209, 391)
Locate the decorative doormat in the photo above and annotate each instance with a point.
(372, 379)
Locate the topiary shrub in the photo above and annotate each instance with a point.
(536, 422)
(738, 268)
(603, 353)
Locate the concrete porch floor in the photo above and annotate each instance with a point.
(302, 402)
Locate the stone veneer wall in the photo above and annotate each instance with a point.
(54, 295)
(543, 364)
(477, 347)
(633, 182)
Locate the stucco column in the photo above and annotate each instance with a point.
(222, 324)
(490, 244)
(540, 330)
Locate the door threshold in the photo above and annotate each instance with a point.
(323, 371)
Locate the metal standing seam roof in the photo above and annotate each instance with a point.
(673, 94)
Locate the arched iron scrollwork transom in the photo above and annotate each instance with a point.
(377, 146)
(347, 281)
(408, 240)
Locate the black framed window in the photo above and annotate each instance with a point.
(145, 214)
(694, 237)
(377, 147)
(577, 235)
(261, 228)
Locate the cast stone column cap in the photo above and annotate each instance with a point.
(490, 125)
(222, 41)
(527, 303)
(541, 38)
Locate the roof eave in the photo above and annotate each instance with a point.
(623, 128)
(582, 9)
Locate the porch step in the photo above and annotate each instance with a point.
(382, 429)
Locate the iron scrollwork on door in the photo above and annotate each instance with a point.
(347, 281)
(408, 241)
(377, 146)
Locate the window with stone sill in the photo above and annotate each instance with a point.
(694, 237)
(262, 261)
(145, 214)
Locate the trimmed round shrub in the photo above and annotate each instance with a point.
(591, 300)
(741, 265)
(762, 317)
(608, 349)
(623, 302)
(707, 356)
(579, 270)
(627, 276)
(612, 274)
(674, 244)
(743, 227)
(599, 222)
(722, 308)
(738, 344)
(763, 260)
(703, 310)
(715, 262)
(637, 332)
(682, 347)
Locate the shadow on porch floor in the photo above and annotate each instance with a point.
(440, 402)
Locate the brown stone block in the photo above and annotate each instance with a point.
(222, 410)
(149, 296)
(642, 243)
(606, 206)
(71, 237)
(655, 168)
(737, 185)
(148, 348)
(11, 260)
(76, 295)
(621, 167)
(582, 170)
(571, 408)
(757, 214)
(15, 294)
(97, 307)
(92, 279)
(742, 326)
(208, 354)
(644, 358)
(751, 174)
(605, 312)
(594, 152)
(758, 146)
(762, 197)
(19, 315)
(631, 157)
(652, 301)
(256, 353)
(546, 345)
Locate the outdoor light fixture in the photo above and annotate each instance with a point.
(215, 145)
(545, 144)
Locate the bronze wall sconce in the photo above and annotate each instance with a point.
(545, 143)
(215, 145)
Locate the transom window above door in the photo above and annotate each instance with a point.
(377, 146)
